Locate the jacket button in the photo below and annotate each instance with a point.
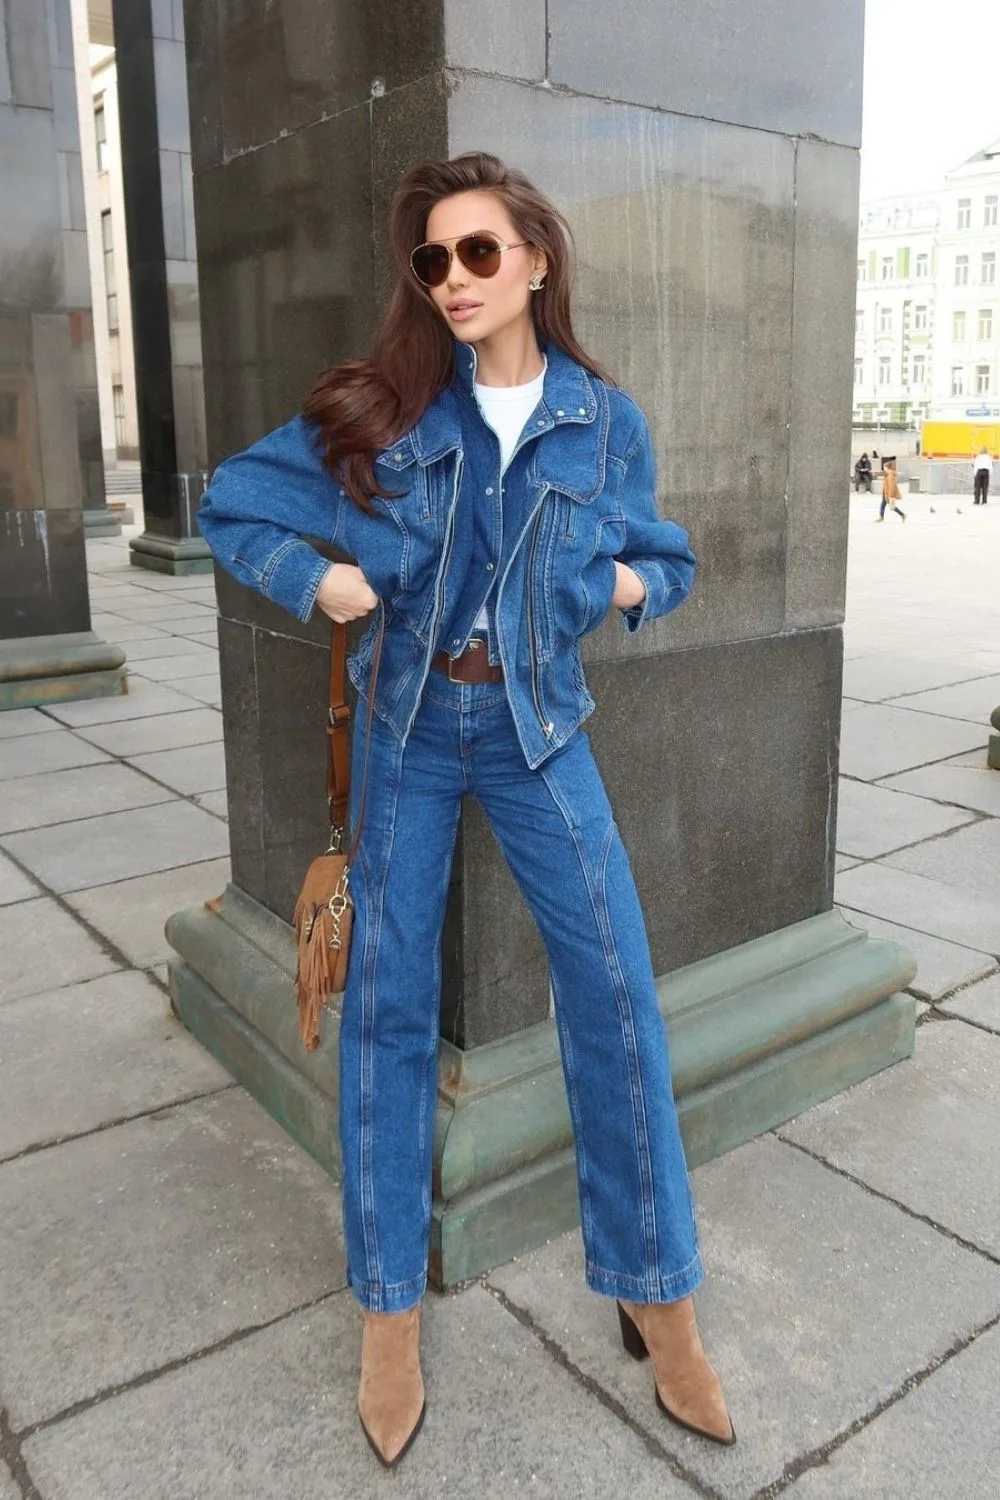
(560, 413)
(489, 490)
(540, 422)
(582, 410)
(489, 567)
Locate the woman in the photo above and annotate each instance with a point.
(498, 493)
(890, 491)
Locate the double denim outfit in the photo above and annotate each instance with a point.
(537, 542)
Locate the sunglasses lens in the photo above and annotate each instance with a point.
(430, 264)
(479, 255)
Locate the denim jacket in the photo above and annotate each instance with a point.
(578, 493)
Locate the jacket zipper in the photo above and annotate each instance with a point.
(547, 727)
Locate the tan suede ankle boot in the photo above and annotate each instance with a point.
(391, 1393)
(687, 1388)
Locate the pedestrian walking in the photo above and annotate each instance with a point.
(498, 493)
(982, 467)
(890, 491)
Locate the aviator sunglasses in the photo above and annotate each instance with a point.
(479, 253)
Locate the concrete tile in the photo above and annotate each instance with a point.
(882, 675)
(39, 942)
(131, 913)
(964, 785)
(940, 965)
(193, 661)
(214, 802)
(879, 740)
(843, 862)
(191, 624)
(97, 851)
(973, 700)
(8, 1489)
(199, 768)
(123, 632)
(61, 796)
(968, 858)
(13, 885)
(56, 750)
(979, 1002)
(275, 1414)
(205, 638)
(193, 726)
(142, 700)
(924, 1132)
(88, 1054)
(872, 821)
(939, 1440)
(142, 1244)
(959, 915)
(803, 1267)
(154, 611)
(205, 689)
(15, 722)
(161, 648)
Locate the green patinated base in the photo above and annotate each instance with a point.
(43, 669)
(165, 554)
(757, 1034)
(101, 522)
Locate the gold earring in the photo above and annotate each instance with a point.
(536, 283)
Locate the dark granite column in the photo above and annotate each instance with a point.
(163, 275)
(714, 209)
(50, 450)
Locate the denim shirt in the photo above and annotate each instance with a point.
(578, 494)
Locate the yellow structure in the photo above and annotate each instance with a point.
(959, 439)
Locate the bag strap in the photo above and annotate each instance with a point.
(339, 738)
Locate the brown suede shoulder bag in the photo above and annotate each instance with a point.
(324, 911)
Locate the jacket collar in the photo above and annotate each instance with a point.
(569, 398)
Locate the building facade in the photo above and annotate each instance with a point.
(927, 318)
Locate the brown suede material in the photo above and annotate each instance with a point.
(688, 1386)
(391, 1393)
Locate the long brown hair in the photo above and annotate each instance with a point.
(365, 405)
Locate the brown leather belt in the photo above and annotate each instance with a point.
(473, 666)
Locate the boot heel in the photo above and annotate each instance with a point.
(632, 1340)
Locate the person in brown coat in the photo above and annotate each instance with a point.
(890, 491)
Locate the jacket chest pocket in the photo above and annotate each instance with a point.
(407, 531)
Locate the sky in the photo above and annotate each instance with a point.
(931, 90)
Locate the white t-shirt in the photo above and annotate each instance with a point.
(506, 409)
(982, 461)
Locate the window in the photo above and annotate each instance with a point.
(988, 268)
(923, 264)
(859, 321)
(885, 320)
(859, 371)
(110, 285)
(918, 376)
(100, 130)
(920, 318)
(861, 270)
(964, 213)
(118, 397)
(958, 327)
(886, 267)
(990, 211)
(884, 370)
(986, 323)
(982, 380)
(957, 380)
(961, 270)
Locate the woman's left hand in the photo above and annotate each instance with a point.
(629, 587)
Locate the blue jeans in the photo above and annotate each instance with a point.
(557, 832)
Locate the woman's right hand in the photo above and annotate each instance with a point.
(345, 593)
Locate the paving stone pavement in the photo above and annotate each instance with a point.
(173, 1319)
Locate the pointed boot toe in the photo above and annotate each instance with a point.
(391, 1402)
(688, 1390)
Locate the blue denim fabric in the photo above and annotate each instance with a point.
(635, 1203)
(580, 492)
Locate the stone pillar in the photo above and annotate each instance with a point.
(715, 211)
(50, 446)
(163, 274)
